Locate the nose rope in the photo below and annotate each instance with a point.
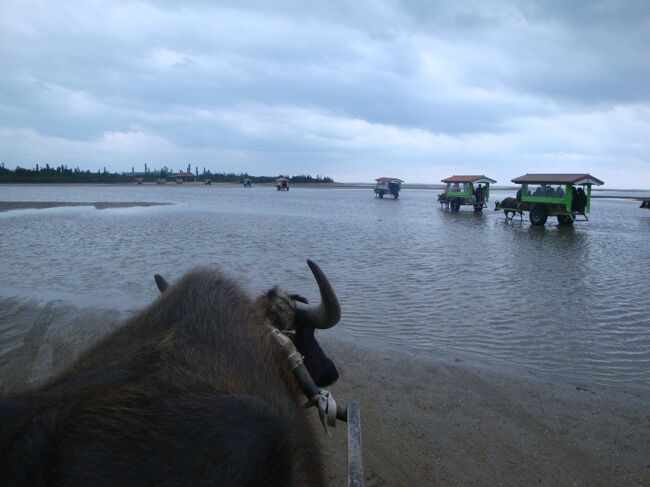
(323, 399)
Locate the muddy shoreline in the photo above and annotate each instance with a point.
(425, 420)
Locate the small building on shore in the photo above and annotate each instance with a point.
(185, 177)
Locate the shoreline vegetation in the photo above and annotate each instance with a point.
(63, 174)
(426, 419)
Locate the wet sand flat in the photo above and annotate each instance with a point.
(425, 420)
(431, 422)
(99, 205)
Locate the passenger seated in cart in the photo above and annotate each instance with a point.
(582, 200)
(455, 187)
(518, 195)
(559, 192)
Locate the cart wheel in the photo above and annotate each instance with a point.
(538, 215)
(455, 204)
(564, 220)
(478, 208)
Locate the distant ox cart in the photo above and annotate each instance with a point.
(282, 184)
(565, 196)
(460, 191)
(387, 186)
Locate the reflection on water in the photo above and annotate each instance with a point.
(568, 302)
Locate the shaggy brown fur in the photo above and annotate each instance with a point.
(278, 307)
(191, 391)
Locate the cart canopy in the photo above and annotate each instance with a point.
(469, 179)
(558, 179)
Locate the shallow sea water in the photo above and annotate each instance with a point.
(566, 303)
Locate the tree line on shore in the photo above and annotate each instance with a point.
(64, 174)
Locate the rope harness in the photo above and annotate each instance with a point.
(328, 411)
(321, 398)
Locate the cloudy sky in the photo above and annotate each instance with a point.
(354, 90)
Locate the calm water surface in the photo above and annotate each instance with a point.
(569, 303)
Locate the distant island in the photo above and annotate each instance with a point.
(64, 174)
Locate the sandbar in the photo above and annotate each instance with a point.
(99, 205)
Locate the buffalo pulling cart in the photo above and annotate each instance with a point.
(204, 386)
(329, 411)
(460, 191)
(565, 196)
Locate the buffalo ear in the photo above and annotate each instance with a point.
(161, 282)
(28, 443)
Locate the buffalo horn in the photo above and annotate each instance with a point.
(161, 283)
(328, 312)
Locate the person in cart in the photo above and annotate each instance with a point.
(480, 195)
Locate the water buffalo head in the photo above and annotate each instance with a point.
(293, 313)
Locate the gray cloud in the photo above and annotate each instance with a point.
(348, 89)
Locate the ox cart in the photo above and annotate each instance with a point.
(247, 183)
(565, 196)
(282, 184)
(645, 204)
(391, 186)
(460, 191)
